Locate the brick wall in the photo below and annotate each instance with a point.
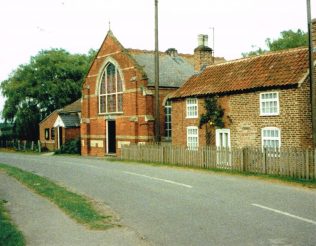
(180, 122)
(48, 123)
(71, 133)
(242, 117)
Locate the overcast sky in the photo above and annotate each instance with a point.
(77, 25)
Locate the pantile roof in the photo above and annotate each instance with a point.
(73, 107)
(273, 69)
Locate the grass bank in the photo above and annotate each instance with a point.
(78, 207)
(9, 234)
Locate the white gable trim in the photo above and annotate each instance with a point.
(59, 122)
(108, 60)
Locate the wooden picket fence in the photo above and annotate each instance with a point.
(294, 162)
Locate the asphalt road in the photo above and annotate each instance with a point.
(172, 206)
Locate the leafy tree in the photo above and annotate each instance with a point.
(256, 52)
(288, 39)
(51, 80)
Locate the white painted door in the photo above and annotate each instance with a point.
(223, 147)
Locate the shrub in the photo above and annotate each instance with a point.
(72, 146)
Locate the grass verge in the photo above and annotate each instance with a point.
(76, 206)
(9, 234)
(271, 178)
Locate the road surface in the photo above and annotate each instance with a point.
(173, 206)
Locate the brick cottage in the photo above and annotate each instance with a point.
(118, 97)
(60, 126)
(266, 103)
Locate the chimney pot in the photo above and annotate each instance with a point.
(203, 55)
(172, 52)
(202, 40)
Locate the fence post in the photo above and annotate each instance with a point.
(244, 159)
(265, 160)
(314, 161)
(39, 146)
(307, 164)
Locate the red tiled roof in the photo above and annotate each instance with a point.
(269, 70)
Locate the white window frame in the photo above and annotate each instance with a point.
(218, 132)
(271, 138)
(192, 145)
(191, 108)
(107, 94)
(267, 101)
(47, 133)
(168, 115)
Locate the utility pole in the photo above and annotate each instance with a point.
(311, 71)
(157, 114)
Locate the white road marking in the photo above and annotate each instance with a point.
(285, 213)
(163, 180)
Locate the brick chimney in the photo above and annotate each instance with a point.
(203, 55)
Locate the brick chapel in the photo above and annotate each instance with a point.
(118, 94)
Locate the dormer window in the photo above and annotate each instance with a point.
(110, 90)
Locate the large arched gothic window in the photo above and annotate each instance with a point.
(111, 90)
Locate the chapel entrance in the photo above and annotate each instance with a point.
(111, 136)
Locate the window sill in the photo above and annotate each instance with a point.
(113, 113)
(166, 139)
(277, 114)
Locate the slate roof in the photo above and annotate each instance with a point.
(173, 70)
(273, 69)
(69, 114)
(70, 120)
